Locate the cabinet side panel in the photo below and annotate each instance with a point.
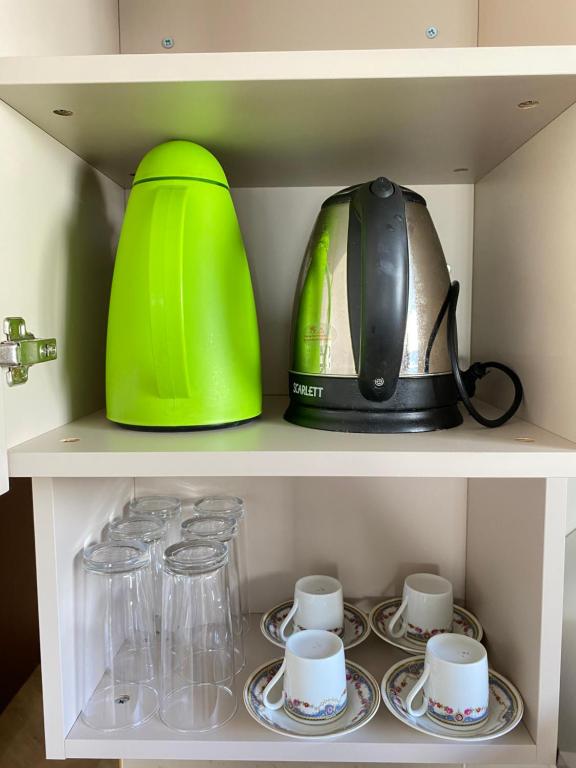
(264, 25)
(369, 533)
(517, 22)
(58, 27)
(514, 571)
(59, 222)
(567, 733)
(525, 272)
(81, 509)
(49, 617)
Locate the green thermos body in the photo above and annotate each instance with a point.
(182, 348)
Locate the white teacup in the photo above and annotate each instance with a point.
(314, 671)
(318, 604)
(454, 683)
(427, 608)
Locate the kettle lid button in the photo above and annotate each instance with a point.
(382, 187)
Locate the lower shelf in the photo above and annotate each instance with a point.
(382, 740)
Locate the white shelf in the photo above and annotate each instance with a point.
(382, 740)
(301, 118)
(272, 447)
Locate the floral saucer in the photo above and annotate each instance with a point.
(363, 703)
(356, 625)
(463, 623)
(505, 708)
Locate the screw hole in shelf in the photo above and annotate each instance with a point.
(70, 440)
(528, 104)
(63, 112)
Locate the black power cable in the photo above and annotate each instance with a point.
(466, 380)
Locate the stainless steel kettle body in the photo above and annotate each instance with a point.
(374, 345)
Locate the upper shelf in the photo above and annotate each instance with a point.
(93, 447)
(301, 118)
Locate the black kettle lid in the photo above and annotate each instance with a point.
(345, 195)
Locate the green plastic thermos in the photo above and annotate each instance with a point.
(183, 349)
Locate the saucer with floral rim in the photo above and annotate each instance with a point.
(356, 625)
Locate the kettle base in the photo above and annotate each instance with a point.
(375, 422)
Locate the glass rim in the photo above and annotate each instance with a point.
(136, 556)
(232, 506)
(210, 555)
(154, 530)
(227, 528)
(165, 507)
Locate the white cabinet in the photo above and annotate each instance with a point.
(499, 540)
(486, 508)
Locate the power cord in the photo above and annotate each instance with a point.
(466, 380)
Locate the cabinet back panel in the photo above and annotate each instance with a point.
(59, 27)
(525, 272)
(518, 22)
(369, 533)
(265, 25)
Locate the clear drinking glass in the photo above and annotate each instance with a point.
(198, 690)
(224, 529)
(167, 508)
(118, 636)
(233, 507)
(151, 531)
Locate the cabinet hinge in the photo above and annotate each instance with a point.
(21, 350)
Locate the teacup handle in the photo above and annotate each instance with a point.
(271, 684)
(421, 710)
(288, 619)
(398, 615)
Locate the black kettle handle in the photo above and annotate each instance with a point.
(379, 206)
(466, 380)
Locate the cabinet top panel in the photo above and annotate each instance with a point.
(93, 447)
(301, 118)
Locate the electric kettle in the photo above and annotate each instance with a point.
(374, 342)
(182, 348)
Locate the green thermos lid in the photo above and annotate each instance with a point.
(180, 160)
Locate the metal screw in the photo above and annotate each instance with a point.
(378, 382)
(168, 42)
(432, 32)
(48, 350)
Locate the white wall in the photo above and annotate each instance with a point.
(59, 223)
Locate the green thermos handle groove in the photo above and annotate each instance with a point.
(165, 269)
